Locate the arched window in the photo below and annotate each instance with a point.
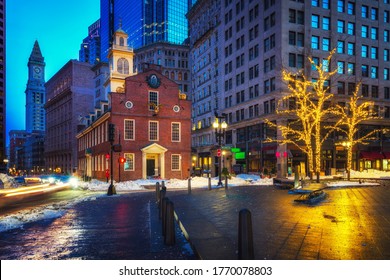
(180, 77)
(123, 66)
(172, 75)
(166, 74)
(121, 41)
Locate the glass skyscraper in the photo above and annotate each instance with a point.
(145, 21)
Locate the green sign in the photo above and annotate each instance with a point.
(240, 155)
(235, 150)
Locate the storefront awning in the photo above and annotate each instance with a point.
(371, 155)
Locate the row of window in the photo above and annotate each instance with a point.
(99, 135)
(100, 163)
(153, 130)
(269, 106)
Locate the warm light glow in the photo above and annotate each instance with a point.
(224, 125)
(216, 124)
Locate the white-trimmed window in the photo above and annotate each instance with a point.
(153, 100)
(175, 132)
(129, 129)
(129, 165)
(153, 130)
(175, 162)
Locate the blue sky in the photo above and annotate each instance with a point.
(59, 27)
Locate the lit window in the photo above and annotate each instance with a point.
(326, 23)
(315, 21)
(315, 42)
(340, 67)
(129, 164)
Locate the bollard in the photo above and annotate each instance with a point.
(169, 237)
(209, 183)
(245, 236)
(296, 178)
(163, 214)
(226, 183)
(157, 192)
(162, 196)
(189, 185)
(163, 184)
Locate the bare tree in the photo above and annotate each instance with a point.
(305, 109)
(351, 117)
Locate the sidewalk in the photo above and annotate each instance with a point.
(352, 223)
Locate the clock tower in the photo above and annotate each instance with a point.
(35, 91)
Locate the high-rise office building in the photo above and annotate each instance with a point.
(256, 40)
(35, 91)
(90, 47)
(2, 87)
(144, 21)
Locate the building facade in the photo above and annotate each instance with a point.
(204, 21)
(152, 126)
(2, 86)
(70, 97)
(257, 40)
(17, 140)
(90, 47)
(145, 21)
(172, 58)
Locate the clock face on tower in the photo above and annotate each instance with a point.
(37, 72)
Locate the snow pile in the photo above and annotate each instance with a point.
(196, 182)
(8, 181)
(370, 173)
(19, 219)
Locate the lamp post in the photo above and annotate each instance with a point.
(220, 126)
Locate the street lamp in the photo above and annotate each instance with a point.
(220, 126)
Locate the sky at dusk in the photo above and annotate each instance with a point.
(59, 27)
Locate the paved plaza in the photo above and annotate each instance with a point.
(351, 223)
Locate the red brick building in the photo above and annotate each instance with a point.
(153, 126)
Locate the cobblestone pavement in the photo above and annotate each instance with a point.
(352, 223)
(125, 226)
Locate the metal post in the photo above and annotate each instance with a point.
(111, 188)
(209, 183)
(157, 192)
(163, 214)
(162, 196)
(226, 182)
(189, 185)
(245, 236)
(169, 237)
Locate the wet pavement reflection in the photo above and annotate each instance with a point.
(352, 223)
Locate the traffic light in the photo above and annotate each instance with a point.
(219, 153)
(111, 132)
(122, 160)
